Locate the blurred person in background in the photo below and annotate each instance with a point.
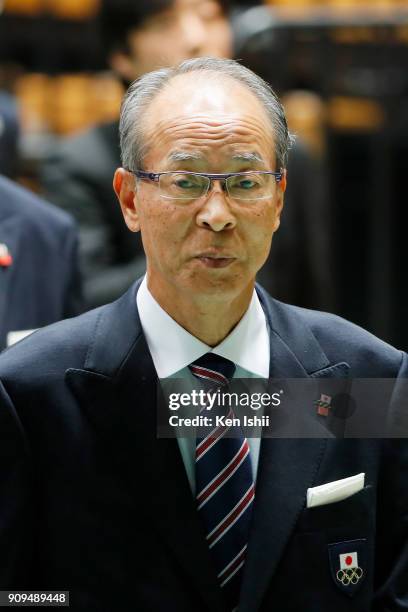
(39, 272)
(139, 37)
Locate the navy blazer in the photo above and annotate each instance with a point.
(92, 502)
(42, 285)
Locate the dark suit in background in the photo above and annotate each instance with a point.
(9, 135)
(94, 503)
(42, 284)
(77, 176)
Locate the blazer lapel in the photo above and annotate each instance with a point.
(287, 467)
(117, 390)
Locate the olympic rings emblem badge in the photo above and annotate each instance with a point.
(349, 576)
(348, 565)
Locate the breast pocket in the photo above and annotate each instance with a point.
(324, 538)
(337, 534)
(356, 511)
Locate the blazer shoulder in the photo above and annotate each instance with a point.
(345, 341)
(340, 340)
(97, 341)
(51, 350)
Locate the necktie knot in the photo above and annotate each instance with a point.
(213, 368)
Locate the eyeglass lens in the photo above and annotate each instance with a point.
(179, 186)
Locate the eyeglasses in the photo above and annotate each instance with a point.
(188, 186)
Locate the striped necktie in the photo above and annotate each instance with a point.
(224, 487)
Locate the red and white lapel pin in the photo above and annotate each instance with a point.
(5, 257)
(323, 405)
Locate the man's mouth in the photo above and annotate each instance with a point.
(215, 260)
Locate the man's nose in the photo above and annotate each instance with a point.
(215, 213)
(193, 32)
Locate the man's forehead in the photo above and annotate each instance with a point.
(193, 109)
(201, 138)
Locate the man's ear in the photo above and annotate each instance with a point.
(280, 194)
(124, 184)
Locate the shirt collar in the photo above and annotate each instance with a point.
(173, 348)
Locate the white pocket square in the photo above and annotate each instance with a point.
(335, 491)
(16, 336)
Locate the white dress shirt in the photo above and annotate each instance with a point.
(173, 349)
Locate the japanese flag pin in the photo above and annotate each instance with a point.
(5, 258)
(323, 405)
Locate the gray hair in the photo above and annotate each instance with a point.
(142, 92)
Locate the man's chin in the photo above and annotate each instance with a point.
(219, 286)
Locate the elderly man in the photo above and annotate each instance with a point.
(140, 36)
(92, 501)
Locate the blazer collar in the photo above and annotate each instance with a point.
(295, 351)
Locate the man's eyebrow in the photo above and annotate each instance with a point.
(182, 156)
(248, 157)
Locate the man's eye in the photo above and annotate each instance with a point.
(185, 184)
(246, 184)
